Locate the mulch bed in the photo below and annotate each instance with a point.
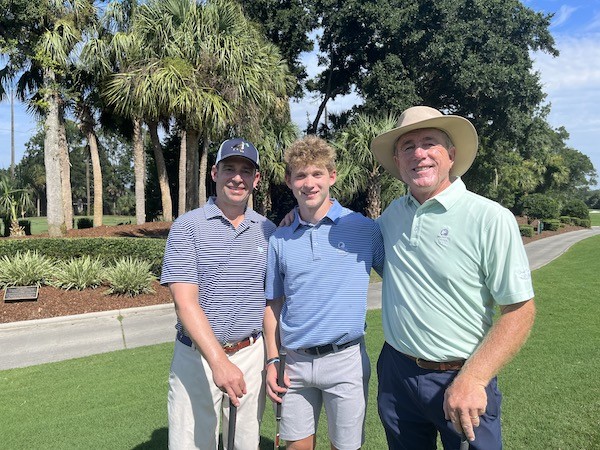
(54, 302)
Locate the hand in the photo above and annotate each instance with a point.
(274, 391)
(287, 220)
(230, 379)
(464, 401)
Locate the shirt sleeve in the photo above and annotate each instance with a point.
(378, 248)
(507, 276)
(179, 262)
(274, 277)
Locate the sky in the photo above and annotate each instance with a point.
(571, 82)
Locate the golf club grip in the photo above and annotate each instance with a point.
(231, 429)
(464, 442)
(280, 382)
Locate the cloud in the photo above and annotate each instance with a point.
(572, 83)
(595, 23)
(576, 69)
(563, 15)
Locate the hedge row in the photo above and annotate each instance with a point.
(587, 223)
(108, 249)
(526, 230)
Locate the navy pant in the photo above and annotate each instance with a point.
(410, 402)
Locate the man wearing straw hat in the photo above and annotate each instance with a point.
(451, 257)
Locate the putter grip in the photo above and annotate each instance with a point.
(464, 443)
(231, 426)
(280, 375)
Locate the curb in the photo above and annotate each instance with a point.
(85, 316)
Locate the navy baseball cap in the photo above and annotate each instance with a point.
(237, 147)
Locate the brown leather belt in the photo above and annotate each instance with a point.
(433, 365)
(228, 347)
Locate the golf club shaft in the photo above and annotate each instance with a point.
(280, 382)
(231, 429)
(464, 442)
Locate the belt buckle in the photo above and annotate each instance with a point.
(228, 346)
(418, 361)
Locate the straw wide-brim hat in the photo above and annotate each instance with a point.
(461, 132)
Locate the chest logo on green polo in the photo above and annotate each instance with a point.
(443, 238)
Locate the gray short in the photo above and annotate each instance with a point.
(340, 381)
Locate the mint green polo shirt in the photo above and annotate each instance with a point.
(448, 262)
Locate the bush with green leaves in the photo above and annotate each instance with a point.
(568, 220)
(576, 208)
(26, 269)
(107, 249)
(551, 224)
(526, 230)
(85, 222)
(130, 276)
(587, 223)
(540, 206)
(78, 273)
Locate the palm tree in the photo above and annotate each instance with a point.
(112, 49)
(42, 62)
(276, 138)
(208, 67)
(358, 170)
(11, 201)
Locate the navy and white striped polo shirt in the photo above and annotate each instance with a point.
(226, 263)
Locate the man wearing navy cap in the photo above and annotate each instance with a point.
(214, 265)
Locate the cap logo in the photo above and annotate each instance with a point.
(240, 147)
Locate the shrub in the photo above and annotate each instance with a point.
(107, 249)
(576, 208)
(25, 269)
(526, 230)
(78, 273)
(538, 206)
(85, 222)
(566, 219)
(551, 224)
(587, 223)
(130, 276)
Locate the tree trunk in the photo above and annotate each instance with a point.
(87, 185)
(161, 168)
(181, 194)
(373, 208)
(267, 203)
(202, 173)
(139, 169)
(192, 166)
(65, 170)
(97, 172)
(54, 206)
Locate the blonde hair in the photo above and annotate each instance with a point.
(308, 151)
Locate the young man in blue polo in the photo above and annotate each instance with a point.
(317, 279)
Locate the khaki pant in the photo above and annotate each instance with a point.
(196, 406)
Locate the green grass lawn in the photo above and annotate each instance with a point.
(40, 224)
(118, 400)
(595, 217)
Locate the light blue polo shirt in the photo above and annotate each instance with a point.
(448, 262)
(323, 271)
(228, 264)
